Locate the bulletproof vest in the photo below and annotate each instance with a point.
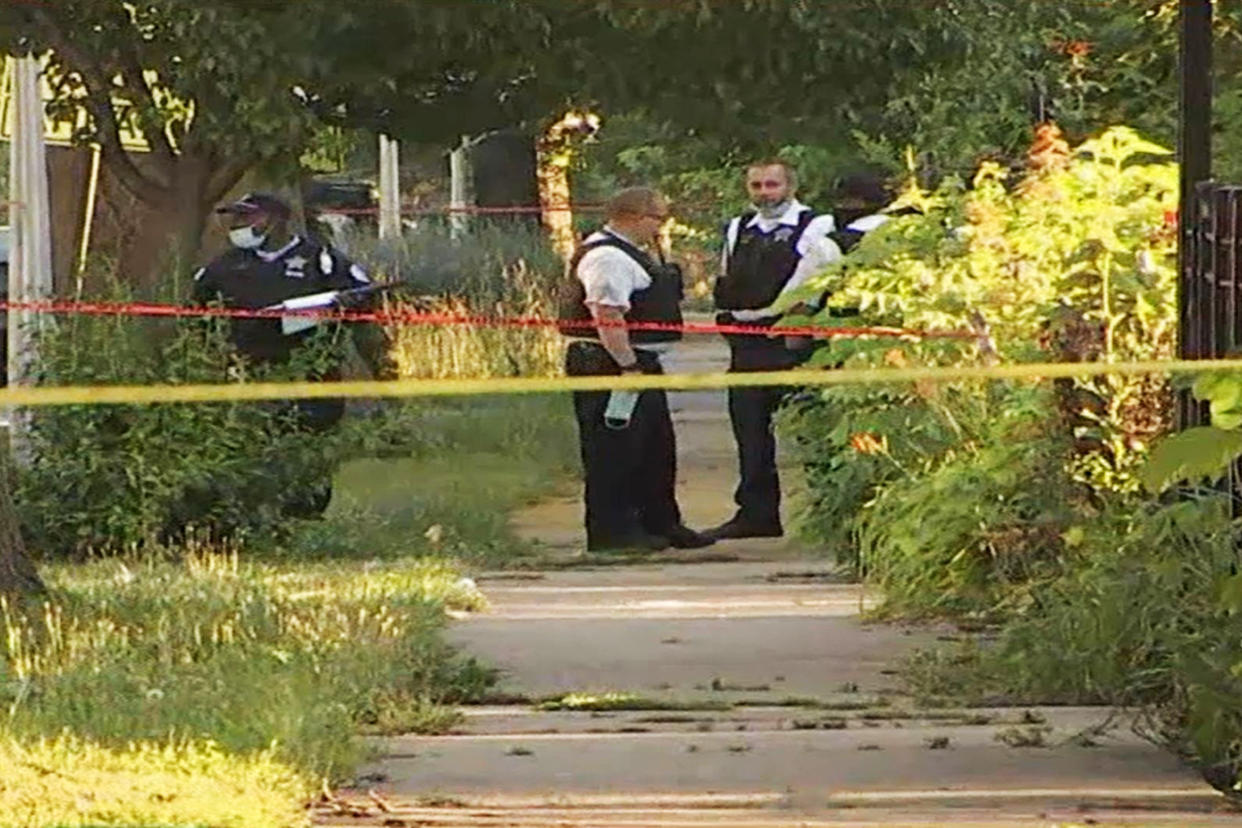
(661, 302)
(848, 237)
(760, 264)
(242, 279)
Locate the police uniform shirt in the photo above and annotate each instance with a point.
(611, 276)
(815, 249)
(253, 279)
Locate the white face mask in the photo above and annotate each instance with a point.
(247, 238)
(771, 211)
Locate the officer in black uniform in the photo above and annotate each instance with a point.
(770, 250)
(862, 205)
(629, 466)
(267, 265)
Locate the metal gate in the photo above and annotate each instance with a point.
(1211, 307)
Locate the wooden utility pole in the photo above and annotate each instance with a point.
(30, 277)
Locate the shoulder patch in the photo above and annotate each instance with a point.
(358, 274)
(198, 274)
(326, 264)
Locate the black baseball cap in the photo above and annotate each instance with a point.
(257, 203)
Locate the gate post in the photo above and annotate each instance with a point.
(1195, 304)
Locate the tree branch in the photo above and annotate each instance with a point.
(135, 81)
(98, 103)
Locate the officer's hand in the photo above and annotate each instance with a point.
(351, 301)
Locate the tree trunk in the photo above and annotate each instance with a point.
(156, 238)
(19, 579)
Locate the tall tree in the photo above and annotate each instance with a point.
(209, 85)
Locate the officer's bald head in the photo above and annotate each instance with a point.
(638, 212)
(636, 202)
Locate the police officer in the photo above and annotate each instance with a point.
(630, 462)
(863, 204)
(771, 249)
(266, 266)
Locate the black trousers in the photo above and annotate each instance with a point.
(758, 493)
(630, 474)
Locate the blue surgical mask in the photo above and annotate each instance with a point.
(247, 238)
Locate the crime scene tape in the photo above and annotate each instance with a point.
(251, 392)
(138, 309)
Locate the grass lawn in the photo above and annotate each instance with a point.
(220, 686)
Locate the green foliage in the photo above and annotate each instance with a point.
(1091, 234)
(120, 476)
(970, 532)
(931, 482)
(1207, 451)
(855, 441)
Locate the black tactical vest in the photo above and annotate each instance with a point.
(760, 264)
(661, 302)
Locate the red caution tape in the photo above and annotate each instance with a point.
(389, 317)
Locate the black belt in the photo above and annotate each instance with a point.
(638, 350)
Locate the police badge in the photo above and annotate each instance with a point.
(295, 267)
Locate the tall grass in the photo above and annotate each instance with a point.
(483, 351)
(246, 655)
(66, 781)
(500, 271)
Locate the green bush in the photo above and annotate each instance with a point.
(116, 477)
(971, 532)
(853, 441)
(1074, 262)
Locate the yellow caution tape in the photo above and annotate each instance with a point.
(238, 392)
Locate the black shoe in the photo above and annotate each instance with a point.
(637, 542)
(683, 537)
(742, 528)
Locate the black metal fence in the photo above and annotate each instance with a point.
(1211, 306)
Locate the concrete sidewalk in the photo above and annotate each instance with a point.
(742, 691)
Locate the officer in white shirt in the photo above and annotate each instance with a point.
(617, 277)
(769, 251)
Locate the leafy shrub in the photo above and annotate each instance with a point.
(972, 531)
(120, 476)
(1073, 263)
(853, 441)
